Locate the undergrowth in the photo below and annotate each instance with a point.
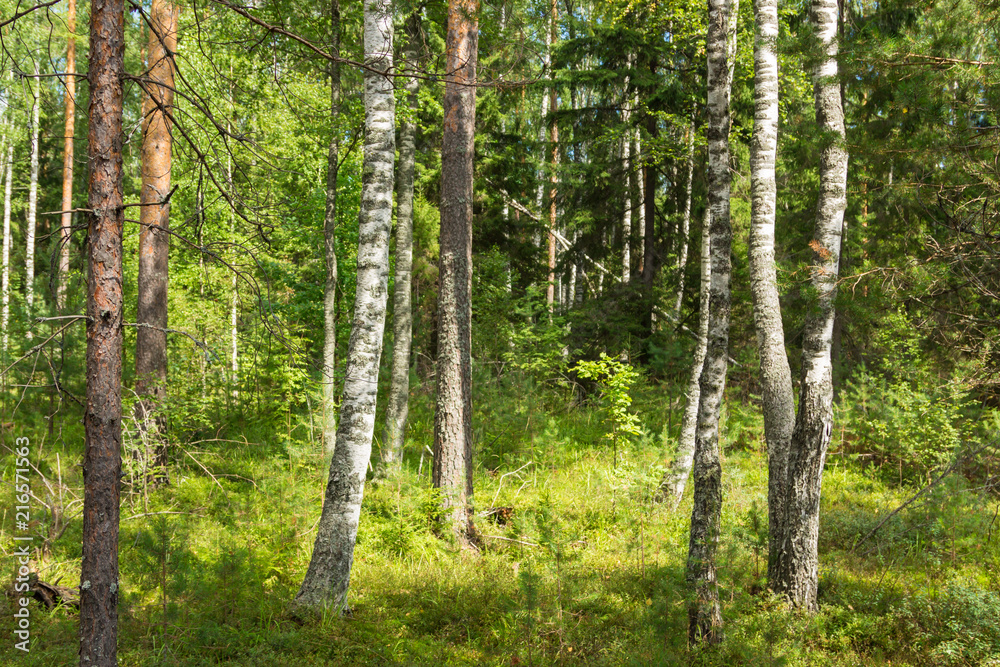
(581, 566)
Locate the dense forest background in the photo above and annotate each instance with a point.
(589, 239)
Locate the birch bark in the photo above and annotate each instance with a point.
(29, 261)
(704, 614)
(7, 189)
(674, 481)
(328, 577)
(402, 322)
(798, 566)
(330, 244)
(685, 228)
(776, 378)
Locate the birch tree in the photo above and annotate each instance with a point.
(8, 168)
(776, 378)
(798, 560)
(402, 317)
(675, 479)
(103, 414)
(704, 615)
(330, 242)
(328, 577)
(452, 472)
(32, 212)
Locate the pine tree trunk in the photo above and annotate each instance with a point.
(453, 415)
(103, 416)
(776, 378)
(704, 614)
(674, 481)
(66, 219)
(8, 187)
(402, 322)
(798, 566)
(29, 262)
(328, 577)
(154, 231)
(330, 244)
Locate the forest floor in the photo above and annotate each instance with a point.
(584, 567)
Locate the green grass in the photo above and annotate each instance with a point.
(587, 571)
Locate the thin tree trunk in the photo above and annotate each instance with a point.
(453, 414)
(330, 244)
(627, 214)
(66, 223)
(8, 187)
(327, 580)
(103, 416)
(402, 317)
(154, 230)
(685, 230)
(674, 481)
(29, 262)
(640, 182)
(554, 160)
(704, 614)
(798, 565)
(776, 379)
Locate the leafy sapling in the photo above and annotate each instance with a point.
(614, 380)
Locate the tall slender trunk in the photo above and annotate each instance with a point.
(154, 230)
(402, 317)
(66, 219)
(554, 156)
(453, 414)
(29, 262)
(103, 416)
(798, 566)
(685, 229)
(330, 244)
(776, 378)
(8, 167)
(327, 580)
(640, 185)
(675, 479)
(704, 614)
(627, 213)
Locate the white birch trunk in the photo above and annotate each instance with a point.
(776, 379)
(674, 481)
(402, 317)
(29, 262)
(327, 580)
(685, 229)
(8, 187)
(798, 565)
(627, 214)
(640, 183)
(704, 614)
(330, 246)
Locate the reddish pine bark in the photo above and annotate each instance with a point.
(453, 414)
(154, 226)
(103, 418)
